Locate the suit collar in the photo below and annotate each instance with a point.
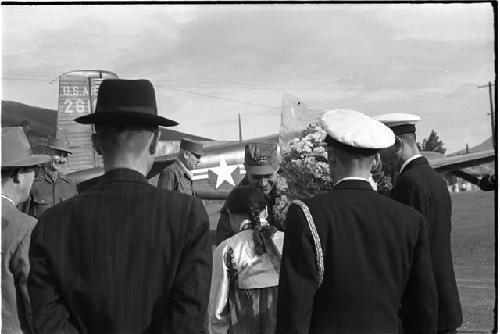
(416, 162)
(6, 199)
(416, 156)
(124, 174)
(353, 184)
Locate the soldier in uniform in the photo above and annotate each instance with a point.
(122, 256)
(18, 171)
(351, 256)
(422, 188)
(178, 175)
(261, 166)
(51, 186)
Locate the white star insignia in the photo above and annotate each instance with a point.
(223, 173)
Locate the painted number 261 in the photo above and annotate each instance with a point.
(78, 105)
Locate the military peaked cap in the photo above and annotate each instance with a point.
(399, 123)
(353, 129)
(261, 158)
(191, 146)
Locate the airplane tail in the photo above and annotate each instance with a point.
(78, 97)
(295, 118)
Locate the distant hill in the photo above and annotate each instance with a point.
(37, 121)
(484, 146)
(484, 168)
(40, 123)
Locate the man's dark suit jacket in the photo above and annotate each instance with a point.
(422, 188)
(122, 257)
(376, 257)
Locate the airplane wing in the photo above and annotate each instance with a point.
(458, 162)
(220, 169)
(469, 166)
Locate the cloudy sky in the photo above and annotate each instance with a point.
(211, 62)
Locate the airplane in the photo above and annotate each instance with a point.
(222, 165)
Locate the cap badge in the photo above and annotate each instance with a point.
(261, 160)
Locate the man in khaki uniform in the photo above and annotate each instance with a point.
(261, 165)
(51, 186)
(177, 176)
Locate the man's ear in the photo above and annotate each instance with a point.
(185, 155)
(376, 161)
(16, 177)
(153, 146)
(95, 143)
(330, 155)
(398, 144)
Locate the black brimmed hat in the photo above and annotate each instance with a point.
(126, 102)
(16, 150)
(399, 123)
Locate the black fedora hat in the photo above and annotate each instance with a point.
(122, 102)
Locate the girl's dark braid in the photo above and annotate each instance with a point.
(254, 210)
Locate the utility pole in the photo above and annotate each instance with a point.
(239, 127)
(492, 114)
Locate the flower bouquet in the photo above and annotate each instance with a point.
(305, 172)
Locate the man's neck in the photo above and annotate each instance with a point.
(356, 168)
(361, 174)
(408, 152)
(139, 165)
(52, 173)
(183, 164)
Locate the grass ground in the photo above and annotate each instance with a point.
(473, 247)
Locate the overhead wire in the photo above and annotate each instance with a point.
(219, 97)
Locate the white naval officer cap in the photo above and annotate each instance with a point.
(355, 130)
(400, 123)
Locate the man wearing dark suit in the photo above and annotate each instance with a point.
(18, 172)
(422, 188)
(123, 256)
(351, 257)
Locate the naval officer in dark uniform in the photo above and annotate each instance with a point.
(123, 256)
(351, 257)
(422, 188)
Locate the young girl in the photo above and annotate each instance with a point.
(246, 269)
